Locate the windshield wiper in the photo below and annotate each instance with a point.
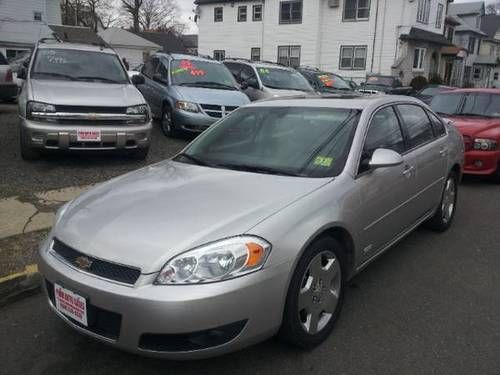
(259, 169)
(208, 84)
(52, 74)
(103, 79)
(194, 159)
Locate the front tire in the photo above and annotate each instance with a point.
(445, 213)
(315, 295)
(167, 123)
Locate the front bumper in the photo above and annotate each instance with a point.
(482, 163)
(64, 137)
(192, 122)
(251, 306)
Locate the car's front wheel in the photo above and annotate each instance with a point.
(445, 213)
(167, 123)
(315, 295)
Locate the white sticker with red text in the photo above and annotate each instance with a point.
(88, 135)
(71, 304)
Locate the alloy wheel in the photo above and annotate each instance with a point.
(449, 197)
(320, 292)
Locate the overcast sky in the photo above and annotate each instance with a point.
(187, 6)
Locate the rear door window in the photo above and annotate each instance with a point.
(235, 70)
(416, 125)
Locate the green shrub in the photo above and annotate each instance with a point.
(418, 83)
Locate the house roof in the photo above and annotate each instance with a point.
(460, 9)
(465, 27)
(124, 38)
(190, 40)
(76, 34)
(452, 20)
(426, 36)
(490, 24)
(169, 42)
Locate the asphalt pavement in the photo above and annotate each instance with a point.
(429, 306)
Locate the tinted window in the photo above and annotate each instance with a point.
(437, 125)
(163, 71)
(150, 67)
(247, 74)
(78, 65)
(234, 69)
(329, 80)
(487, 105)
(446, 104)
(416, 124)
(313, 142)
(384, 132)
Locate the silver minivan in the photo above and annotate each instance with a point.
(79, 97)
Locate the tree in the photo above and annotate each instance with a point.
(158, 14)
(133, 8)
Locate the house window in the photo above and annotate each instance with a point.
(450, 32)
(423, 10)
(37, 16)
(472, 45)
(495, 76)
(219, 55)
(291, 12)
(477, 74)
(257, 13)
(242, 14)
(418, 59)
(289, 56)
(353, 57)
(355, 10)
(439, 16)
(255, 54)
(218, 14)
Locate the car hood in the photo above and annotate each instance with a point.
(474, 126)
(144, 218)
(204, 95)
(85, 93)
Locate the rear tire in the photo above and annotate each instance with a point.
(315, 295)
(27, 151)
(167, 123)
(445, 213)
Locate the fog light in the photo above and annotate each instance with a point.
(478, 163)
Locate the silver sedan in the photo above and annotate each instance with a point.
(254, 229)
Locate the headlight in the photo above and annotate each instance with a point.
(33, 108)
(187, 106)
(482, 144)
(217, 261)
(142, 109)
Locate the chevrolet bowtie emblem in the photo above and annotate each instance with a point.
(83, 262)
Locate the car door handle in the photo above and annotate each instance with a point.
(408, 170)
(443, 152)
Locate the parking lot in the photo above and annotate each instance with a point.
(429, 306)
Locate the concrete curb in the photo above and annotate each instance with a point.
(17, 284)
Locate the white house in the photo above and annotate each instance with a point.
(349, 37)
(129, 45)
(24, 22)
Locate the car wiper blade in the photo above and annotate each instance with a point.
(208, 84)
(260, 169)
(53, 74)
(194, 159)
(88, 78)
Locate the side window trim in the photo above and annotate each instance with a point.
(431, 115)
(405, 134)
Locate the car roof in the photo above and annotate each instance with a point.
(77, 46)
(182, 56)
(336, 101)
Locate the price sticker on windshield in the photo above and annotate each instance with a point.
(323, 161)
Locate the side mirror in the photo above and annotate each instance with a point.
(22, 73)
(383, 157)
(138, 79)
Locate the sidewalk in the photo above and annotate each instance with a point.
(24, 222)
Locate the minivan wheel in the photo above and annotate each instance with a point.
(315, 295)
(445, 213)
(27, 151)
(167, 123)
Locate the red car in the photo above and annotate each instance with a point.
(476, 113)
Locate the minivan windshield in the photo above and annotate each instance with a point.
(78, 65)
(283, 79)
(474, 104)
(290, 141)
(201, 74)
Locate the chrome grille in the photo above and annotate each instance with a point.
(217, 111)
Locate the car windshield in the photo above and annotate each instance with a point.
(480, 104)
(283, 79)
(329, 80)
(292, 141)
(78, 65)
(201, 74)
(380, 81)
(3, 61)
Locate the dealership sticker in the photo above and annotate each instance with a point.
(88, 135)
(323, 161)
(71, 304)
